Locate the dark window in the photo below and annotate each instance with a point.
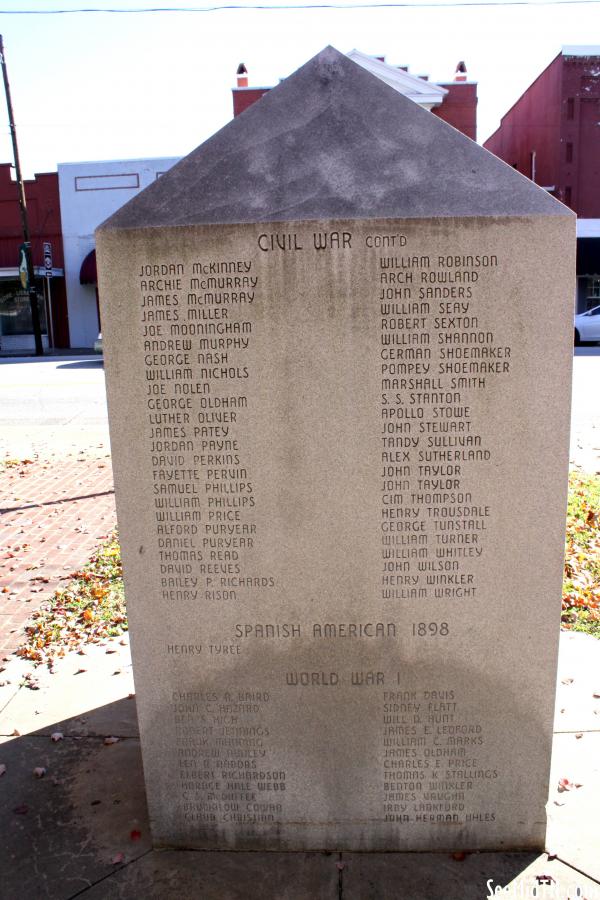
(569, 153)
(15, 309)
(571, 108)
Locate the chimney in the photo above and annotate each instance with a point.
(242, 76)
(461, 72)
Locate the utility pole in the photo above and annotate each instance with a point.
(35, 314)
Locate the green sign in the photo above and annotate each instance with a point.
(23, 273)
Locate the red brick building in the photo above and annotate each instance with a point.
(43, 207)
(552, 135)
(454, 101)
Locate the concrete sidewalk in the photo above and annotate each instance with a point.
(82, 829)
(52, 406)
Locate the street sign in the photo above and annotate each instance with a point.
(48, 259)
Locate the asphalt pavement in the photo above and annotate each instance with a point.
(585, 409)
(52, 405)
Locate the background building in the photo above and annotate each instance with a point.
(552, 135)
(43, 208)
(89, 193)
(454, 101)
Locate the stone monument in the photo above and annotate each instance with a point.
(338, 346)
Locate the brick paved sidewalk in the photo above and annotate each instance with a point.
(53, 514)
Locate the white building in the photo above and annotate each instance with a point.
(89, 193)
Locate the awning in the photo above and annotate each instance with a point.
(588, 256)
(87, 273)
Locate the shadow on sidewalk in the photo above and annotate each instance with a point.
(87, 364)
(587, 350)
(83, 829)
(63, 833)
(52, 356)
(56, 502)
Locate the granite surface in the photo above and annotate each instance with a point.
(332, 141)
(334, 465)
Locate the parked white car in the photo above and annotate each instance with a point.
(587, 325)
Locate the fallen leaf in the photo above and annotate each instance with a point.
(117, 858)
(564, 785)
(135, 835)
(57, 736)
(567, 681)
(579, 735)
(2, 769)
(39, 771)
(111, 740)
(459, 855)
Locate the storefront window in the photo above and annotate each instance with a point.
(15, 309)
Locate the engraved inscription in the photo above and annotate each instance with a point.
(321, 470)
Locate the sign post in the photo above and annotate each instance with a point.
(25, 257)
(48, 273)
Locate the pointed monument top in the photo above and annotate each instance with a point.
(333, 141)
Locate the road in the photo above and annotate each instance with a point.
(52, 405)
(585, 409)
(58, 404)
